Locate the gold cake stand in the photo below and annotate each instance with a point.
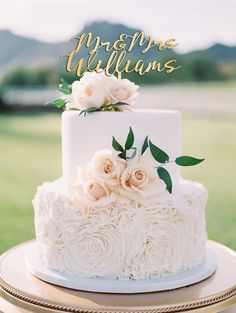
(22, 292)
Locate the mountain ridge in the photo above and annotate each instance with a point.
(19, 51)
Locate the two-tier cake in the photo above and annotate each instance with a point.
(121, 209)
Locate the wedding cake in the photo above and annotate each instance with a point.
(121, 209)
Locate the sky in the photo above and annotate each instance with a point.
(195, 24)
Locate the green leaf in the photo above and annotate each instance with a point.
(83, 112)
(92, 109)
(165, 176)
(187, 161)
(158, 154)
(89, 110)
(130, 139)
(119, 104)
(145, 145)
(64, 87)
(59, 103)
(122, 155)
(116, 145)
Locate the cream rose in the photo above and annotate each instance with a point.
(107, 167)
(86, 94)
(121, 90)
(94, 89)
(139, 181)
(88, 191)
(95, 190)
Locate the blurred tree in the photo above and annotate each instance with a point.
(16, 77)
(204, 69)
(3, 106)
(38, 76)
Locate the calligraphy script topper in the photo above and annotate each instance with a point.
(117, 52)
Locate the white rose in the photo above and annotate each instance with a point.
(107, 167)
(121, 90)
(94, 249)
(100, 77)
(140, 181)
(86, 94)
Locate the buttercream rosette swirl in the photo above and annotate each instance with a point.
(94, 249)
(123, 239)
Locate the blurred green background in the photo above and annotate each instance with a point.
(204, 90)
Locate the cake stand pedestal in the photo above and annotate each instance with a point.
(22, 292)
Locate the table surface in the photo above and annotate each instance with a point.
(29, 293)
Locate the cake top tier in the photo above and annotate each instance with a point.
(98, 121)
(82, 136)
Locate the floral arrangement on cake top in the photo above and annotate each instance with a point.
(139, 177)
(97, 92)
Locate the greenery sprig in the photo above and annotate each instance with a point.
(129, 145)
(158, 154)
(64, 88)
(105, 107)
(162, 157)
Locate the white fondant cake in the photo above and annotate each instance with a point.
(114, 213)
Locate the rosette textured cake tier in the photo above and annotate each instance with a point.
(121, 209)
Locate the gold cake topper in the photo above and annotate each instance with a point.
(117, 61)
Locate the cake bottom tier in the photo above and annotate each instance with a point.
(124, 240)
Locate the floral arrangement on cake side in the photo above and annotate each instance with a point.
(97, 92)
(126, 173)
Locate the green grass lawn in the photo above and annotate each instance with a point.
(30, 154)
